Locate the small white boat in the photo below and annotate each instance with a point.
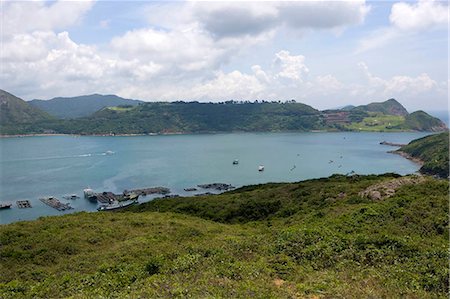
(261, 168)
(109, 153)
(235, 162)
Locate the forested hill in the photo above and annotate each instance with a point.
(205, 117)
(433, 150)
(20, 117)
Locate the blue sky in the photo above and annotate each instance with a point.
(325, 54)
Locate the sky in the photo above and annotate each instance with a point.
(326, 54)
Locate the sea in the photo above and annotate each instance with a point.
(41, 166)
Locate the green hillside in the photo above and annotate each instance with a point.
(15, 113)
(324, 238)
(433, 150)
(200, 117)
(389, 107)
(82, 106)
(422, 121)
(132, 117)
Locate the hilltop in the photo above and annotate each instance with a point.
(383, 116)
(389, 107)
(433, 151)
(82, 106)
(318, 238)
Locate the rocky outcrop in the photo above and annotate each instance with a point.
(387, 189)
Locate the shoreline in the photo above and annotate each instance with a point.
(196, 133)
(408, 156)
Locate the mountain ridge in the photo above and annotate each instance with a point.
(229, 116)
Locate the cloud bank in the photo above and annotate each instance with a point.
(189, 56)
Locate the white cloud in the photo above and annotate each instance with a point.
(423, 15)
(177, 51)
(183, 57)
(231, 19)
(399, 85)
(291, 66)
(407, 19)
(225, 86)
(28, 16)
(329, 84)
(54, 65)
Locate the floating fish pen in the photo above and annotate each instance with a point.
(148, 191)
(107, 197)
(23, 204)
(217, 186)
(55, 203)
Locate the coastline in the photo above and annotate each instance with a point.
(408, 156)
(190, 133)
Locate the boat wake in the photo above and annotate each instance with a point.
(107, 153)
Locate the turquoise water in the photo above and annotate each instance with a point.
(32, 167)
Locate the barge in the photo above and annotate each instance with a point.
(55, 203)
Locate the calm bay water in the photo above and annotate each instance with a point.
(33, 167)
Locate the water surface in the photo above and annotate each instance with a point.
(33, 167)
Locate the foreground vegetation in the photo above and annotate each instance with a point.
(433, 150)
(314, 239)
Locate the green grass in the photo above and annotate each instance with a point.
(121, 108)
(312, 239)
(377, 122)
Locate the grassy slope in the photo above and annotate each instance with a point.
(313, 243)
(433, 150)
(377, 122)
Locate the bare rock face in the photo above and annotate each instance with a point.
(387, 189)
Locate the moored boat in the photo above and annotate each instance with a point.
(261, 168)
(5, 205)
(116, 206)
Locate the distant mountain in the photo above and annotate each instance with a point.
(15, 112)
(389, 107)
(432, 151)
(75, 107)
